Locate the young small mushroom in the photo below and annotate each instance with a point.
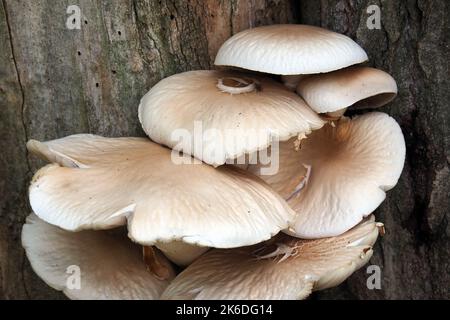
(355, 87)
(281, 268)
(91, 264)
(219, 116)
(290, 50)
(102, 183)
(340, 174)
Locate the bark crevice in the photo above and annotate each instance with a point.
(19, 80)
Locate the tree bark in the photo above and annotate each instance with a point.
(55, 82)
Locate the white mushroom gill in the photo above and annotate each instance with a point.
(281, 268)
(165, 203)
(102, 264)
(282, 251)
(354, 164)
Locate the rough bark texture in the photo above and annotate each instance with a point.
(55, 82)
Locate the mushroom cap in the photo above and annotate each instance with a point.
(340, 174)
(290, 49)
(281, 268)
(110, 265)
(232, 124)
(109, 181)
(358, 87)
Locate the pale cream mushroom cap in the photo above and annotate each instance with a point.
(112, 181)
(289, 49)
(355, 87)
(219, 125)
(110, 266)
(281, 268)
(340, 174)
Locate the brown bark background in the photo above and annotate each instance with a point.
(55, 82)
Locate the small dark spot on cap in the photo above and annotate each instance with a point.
(172, 17)
(97, 84)
(119, 33)
(79, 53)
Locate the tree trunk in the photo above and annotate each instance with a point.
(55, 82)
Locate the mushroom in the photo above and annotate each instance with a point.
(91, 264)
(221, 116)
(290, 50)
(340, 174)
(355, 87)
(282, 268)
(102, 183)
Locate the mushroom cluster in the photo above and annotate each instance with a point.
(246, 189)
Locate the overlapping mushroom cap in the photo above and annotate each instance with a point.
(101, 183)
(109, 266)
(282, 268)
(340, 174)
(289, 49)
(218, 116)
(356, 87)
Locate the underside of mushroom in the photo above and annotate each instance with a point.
(354, 88)
(92, 264)
(281, 268)
(339, 174)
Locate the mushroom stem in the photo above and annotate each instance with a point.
(235, 85)
(291, 81)
(155, 263)
(181, 253)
